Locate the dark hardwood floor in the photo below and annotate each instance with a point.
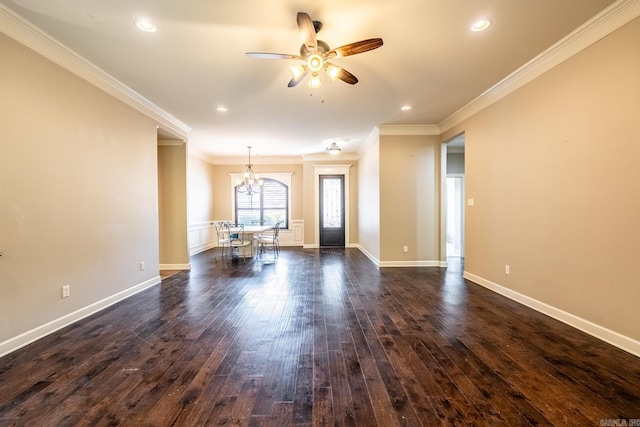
(323, 338)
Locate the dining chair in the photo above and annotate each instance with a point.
(270, 239)
(223, 237)
(236, 241)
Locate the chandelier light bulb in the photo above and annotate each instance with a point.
(251, 182)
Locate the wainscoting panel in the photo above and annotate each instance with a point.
(202, 236)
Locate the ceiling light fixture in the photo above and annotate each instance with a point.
(480, 25)
(406, 107)
(251, 182)
(315, 81)
(315, 62)
(297, 71)
(145, 25)
(333, 71)
(222, 109)
(334, 149)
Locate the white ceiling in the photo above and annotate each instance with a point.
(196, 61)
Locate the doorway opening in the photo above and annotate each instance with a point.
(455, 196)
(455, 202)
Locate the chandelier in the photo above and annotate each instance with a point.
(251, 182)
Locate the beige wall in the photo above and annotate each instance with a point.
(200, 190)
(172, 204)
(222, 194)
(369, 199)
(409, 198)
(78, 193)
(553, 169)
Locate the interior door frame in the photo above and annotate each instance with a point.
(339, 169)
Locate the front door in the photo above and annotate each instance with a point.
(332, 210)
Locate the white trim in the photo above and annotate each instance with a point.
(202, 236)
(425, 263)
(409, 130)
(175, 266)
(336, 169)
(369, 255)
(601, 25)
(41, 331)
(255, 160)
(323, 157)
(23, 31)
(170, 143)
(614, 338)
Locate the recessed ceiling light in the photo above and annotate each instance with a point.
(406, 107)
(145, 25)
(222, 109)
(480, 25)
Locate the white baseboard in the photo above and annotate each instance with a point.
(424, 263)
(196, 250)
(35, 334)
(175, 266)
(373, 259)
(616, 339)
(291, 244)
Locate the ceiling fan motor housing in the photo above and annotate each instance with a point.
(323, 48)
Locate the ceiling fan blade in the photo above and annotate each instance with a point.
(294, 81)
(307, 31)
(263, 55)
(347, 77)
(355, 48)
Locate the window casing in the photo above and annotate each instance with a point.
(265, 208)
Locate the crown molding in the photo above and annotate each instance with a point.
(255, 160)
(409, 130)
(610, 19)
(24, 32)
(170, 143)
(320, 157)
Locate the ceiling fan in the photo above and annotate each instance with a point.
(316, 55)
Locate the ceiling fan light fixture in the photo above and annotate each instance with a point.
(333, 71)
(315, 62)
(333, 149)
(315, 81)
(297, 71)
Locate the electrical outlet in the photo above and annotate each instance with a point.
(507, 269)
(142, 266)
(66, 291)
(406, 249)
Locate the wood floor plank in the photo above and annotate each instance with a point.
(317, 337)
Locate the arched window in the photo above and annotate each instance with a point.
(266, 208)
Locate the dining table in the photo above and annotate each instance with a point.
(248, 232)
